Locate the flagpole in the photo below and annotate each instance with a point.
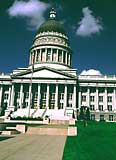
(32, 69)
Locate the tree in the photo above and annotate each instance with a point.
(87, 113)
(84, 114)
(81, 115)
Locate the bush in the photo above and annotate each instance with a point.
(27, 118)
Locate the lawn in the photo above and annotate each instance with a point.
(97, 141)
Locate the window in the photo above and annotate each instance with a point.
(109, 107)
(111, 118)
(92, 90)
(110, 90)
(60, 56)
(70, 105)
(6, 96)
(54, 55)
(83, 98)
(109, 99)
(92, 98)
(101, 90)
(93, 117)
(26, 104)
(62, 96)
(100, 107)
(43, 55)
(61, 105)
(44, 96)
(48, 55)
(36, 95)
(70, 96)
(17, 104)
(92, 107)
(101, 117)
(18, 94)
(100, 98)
(27, 95)
(53, 96)
(83, 89)
(38, 56)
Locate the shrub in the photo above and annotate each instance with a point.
(27, 118)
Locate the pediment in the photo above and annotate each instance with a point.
(43, 73)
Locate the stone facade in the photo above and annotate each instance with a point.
(50, 86)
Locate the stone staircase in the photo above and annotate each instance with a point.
(22, 112)
(9, 131)
(47, 131)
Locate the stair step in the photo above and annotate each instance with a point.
(10, 132)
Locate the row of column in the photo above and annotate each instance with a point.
(12, 95)
(105, 102)
(50, 55)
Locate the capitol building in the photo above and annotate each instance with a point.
(50, 86)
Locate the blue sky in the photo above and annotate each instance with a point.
(90, 25)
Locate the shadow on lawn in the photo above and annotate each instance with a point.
(2, 138)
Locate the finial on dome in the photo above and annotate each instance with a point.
(52, 13)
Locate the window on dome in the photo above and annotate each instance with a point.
(54, 55)
(64, 56)
(60, 56)
(48, 57)
(38, 58)
(43, 55)
(68, 58)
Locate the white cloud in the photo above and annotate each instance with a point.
(32, 10)
(89, 24)
(91, 72)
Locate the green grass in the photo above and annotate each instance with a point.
(97, 141)
(2, 138)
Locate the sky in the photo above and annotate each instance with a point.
(90, 26)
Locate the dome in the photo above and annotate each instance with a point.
(52, 25)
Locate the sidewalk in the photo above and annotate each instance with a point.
(32, 147)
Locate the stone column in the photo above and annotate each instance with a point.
(30, 100)
(9, 97)
(21, 95)
(45, 54)
(74, 96)
(69, 60)
(57, 56)
(79, 103)
(66, 58)
(56, 97)
(39, 96)
(47, 97)
(88, 97)
(105, 100)
(1, 90)
(62, 56)
(51, 55)
(12, 96)
(36, 59)
(96, 100)
(65, 97)
(30, 96)
(30, 59)
(40, 56)
(114, 100)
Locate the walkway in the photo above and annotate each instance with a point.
(32, 147)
